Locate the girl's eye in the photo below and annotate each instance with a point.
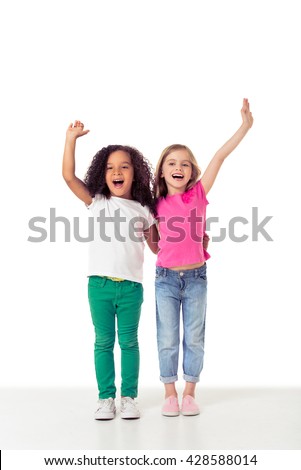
(186, 164)
(125, 166)
(171, 163)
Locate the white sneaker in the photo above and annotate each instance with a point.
(129, 408)
(106, 409)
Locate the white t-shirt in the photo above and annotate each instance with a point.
(117, 249)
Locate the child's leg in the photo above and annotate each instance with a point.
(128, 307)
(170, 390)
(194, 305)
(189, 389)
(168, 306)
(101, 296)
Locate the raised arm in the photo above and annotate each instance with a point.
(76, 185)
(214, 166)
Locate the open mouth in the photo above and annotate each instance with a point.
(178, 176)
(118, 183)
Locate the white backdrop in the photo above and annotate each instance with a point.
(149, 74)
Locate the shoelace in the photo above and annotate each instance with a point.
(105, 403)
(128, 402)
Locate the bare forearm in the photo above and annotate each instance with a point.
(215, 164)
(220, 156)
(232, 143)
(153, 246)
(152, 238)
(69, 159)
(77, 186)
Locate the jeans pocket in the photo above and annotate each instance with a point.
(203, 272)
(96, 282)
(159, 273)
(136, 285)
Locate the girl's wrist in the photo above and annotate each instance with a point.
(71, 138)
(245, 126)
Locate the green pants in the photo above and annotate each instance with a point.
(110, 300)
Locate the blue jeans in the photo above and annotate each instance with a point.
(174, 289)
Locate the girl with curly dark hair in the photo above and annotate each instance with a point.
(117, 191)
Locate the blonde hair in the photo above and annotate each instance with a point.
(160, 188)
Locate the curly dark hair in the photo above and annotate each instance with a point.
(142, 185)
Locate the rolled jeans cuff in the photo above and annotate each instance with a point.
(190, 378)
(169, 380)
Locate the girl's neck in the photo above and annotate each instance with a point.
(173, 192)
(128, 198)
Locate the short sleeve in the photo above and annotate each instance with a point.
(89, 206)
(95, 202)
(201, 192)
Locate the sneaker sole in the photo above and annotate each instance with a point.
(190, 413)
(124, 416)
(104, 418)
(170, 413)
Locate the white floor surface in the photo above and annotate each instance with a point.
(32, 419)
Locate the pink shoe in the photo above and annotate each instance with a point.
(171, 407)
(189, 406)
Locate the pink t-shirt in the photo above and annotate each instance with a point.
(182, 222)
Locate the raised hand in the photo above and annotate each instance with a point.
(75, 184)
(76, 130)
(246, 114)
(214, 166)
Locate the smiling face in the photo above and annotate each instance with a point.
(177, 171)
(120, 174)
